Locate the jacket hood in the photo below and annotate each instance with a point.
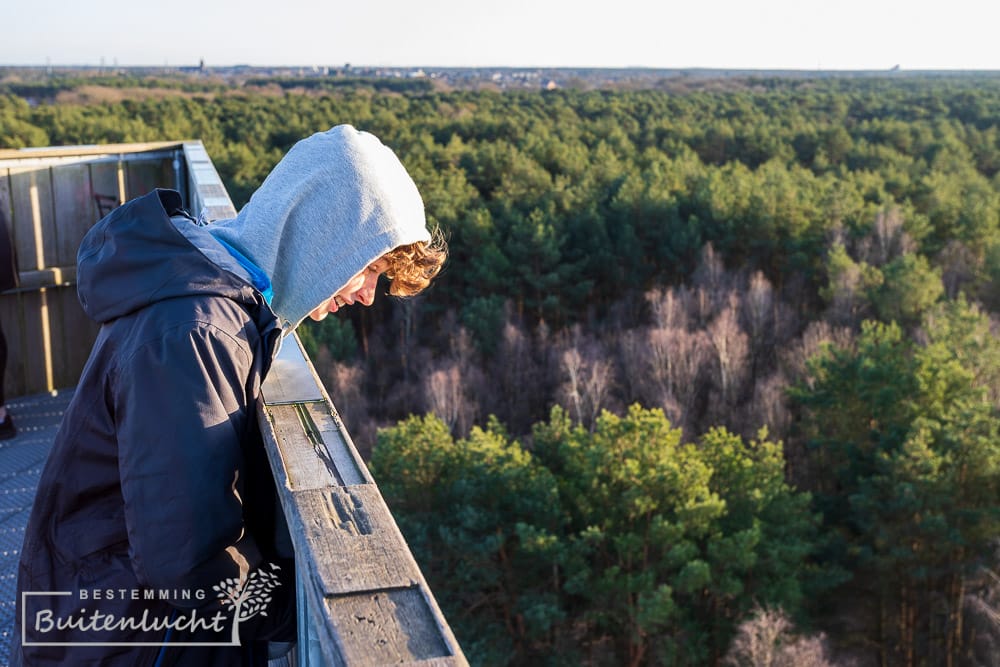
(135, 257)
(335, 203)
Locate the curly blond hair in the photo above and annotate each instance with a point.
(413, 266)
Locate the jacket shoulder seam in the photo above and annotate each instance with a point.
(190, 326)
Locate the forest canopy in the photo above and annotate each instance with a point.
(699, 360)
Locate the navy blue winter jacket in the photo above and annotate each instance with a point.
(157, 480)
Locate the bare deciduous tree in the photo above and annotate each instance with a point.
(711, 284)
(982, 617)
(345, 384)
(767, 639)
(769, 406)
(758, 308)
(710, 273)
(632, 351)
(521, 384)
(668, 307)
(445, 395)
(845, 294)
(677, 360)
(589, 377)
(453, 387)
(730, 347)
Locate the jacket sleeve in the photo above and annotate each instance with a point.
(180, 411)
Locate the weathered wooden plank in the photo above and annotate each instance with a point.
(63, 337)
(353, 539)
(5, 200)
(386, 627)
(36, 345)
(50, 207)
(313, 449)
(52, 276)
(15, 381)
(143, 176)
(73, 197)
(367, 559)
(33, 217)
(305, 465)
(73, 335)
(316, 448)
(76, 151)
(104, 181)
(338, 445)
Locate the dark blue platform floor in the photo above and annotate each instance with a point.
(21, 459)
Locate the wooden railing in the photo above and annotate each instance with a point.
(363, 600)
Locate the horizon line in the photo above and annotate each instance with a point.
(353, 66)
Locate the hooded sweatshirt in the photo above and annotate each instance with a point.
(334, 204)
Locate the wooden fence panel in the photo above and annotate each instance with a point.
(51, 203)
(36, 344)
(104, 180)
(143, 176)
(72, 197)
(5, 203)
(34, 220)
(73, 334)
(10, 318)
(10, 309)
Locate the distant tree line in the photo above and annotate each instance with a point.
(703, 367)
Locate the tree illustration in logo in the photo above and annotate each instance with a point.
(248, 597)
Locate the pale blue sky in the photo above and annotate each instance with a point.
(761, 34)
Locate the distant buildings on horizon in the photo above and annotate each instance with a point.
(464, 77)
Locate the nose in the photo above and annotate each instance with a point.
(366, 294)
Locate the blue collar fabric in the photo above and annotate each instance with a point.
(257, 275)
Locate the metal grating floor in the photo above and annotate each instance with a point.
(21, 459)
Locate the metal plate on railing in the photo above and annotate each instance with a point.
(290, 379)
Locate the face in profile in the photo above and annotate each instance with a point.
(359, 289)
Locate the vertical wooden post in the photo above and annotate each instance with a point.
(122, 190)
(45, 329)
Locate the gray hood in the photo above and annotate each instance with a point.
(334, 204)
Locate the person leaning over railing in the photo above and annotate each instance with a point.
(155, 522)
